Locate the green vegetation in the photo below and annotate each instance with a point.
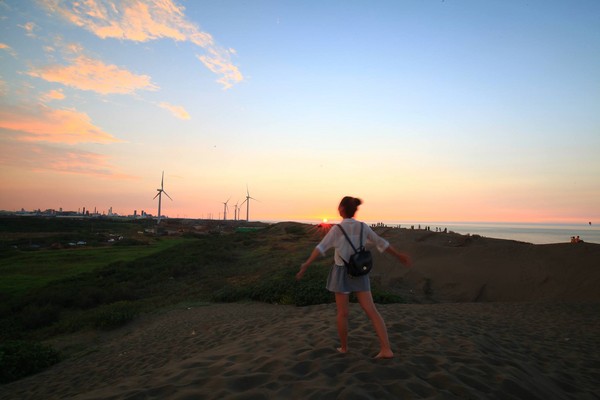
(47, 292)
(25, 270)
(19, 359)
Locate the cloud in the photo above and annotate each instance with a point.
(53, 95)
(8, 49)
(89, 74)
(177, 111)
(41, 123)
(29, 28)
(42, 157)
(218, 62)
(145, 20)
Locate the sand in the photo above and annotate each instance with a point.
(260, 351)
(495, 319)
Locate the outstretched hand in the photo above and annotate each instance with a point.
(402, 257)
(300, 273)
(405, 259)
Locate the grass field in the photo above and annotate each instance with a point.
(54, 291)
(21, 271)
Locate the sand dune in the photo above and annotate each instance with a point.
(496, 320)
(258, 351)
(458, 268)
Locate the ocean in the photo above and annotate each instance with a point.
(536, 233)
(524, 232)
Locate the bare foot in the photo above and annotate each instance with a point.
(385, 354)
(342, 350)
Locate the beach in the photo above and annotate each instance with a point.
(488, 319)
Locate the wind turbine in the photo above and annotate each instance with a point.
(225, 208)
(159, 195)
(247, 201)
(235, 211)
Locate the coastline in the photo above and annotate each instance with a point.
(528, 232)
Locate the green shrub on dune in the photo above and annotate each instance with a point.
(22, 358)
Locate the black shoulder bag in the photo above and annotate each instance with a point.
(361, 262)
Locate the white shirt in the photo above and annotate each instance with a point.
(343, 250)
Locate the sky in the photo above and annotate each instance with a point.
(427, 110)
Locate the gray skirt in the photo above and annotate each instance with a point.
(339, 281)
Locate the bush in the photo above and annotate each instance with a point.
(230, 294)
(113, 315)
(278, 289)
(36, 316)
(297, 230)
(310, 292)
(19, 359)
(386, 298)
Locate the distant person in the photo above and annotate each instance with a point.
(342, 284)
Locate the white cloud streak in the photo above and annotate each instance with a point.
(145, 20)
(177, 111)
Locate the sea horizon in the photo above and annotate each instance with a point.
(530, 232)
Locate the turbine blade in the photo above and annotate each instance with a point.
(162, 179)
(167, 195)
(156, 195)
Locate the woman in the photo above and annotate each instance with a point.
(342, 284)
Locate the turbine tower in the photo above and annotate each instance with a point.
(225, 209)
(236, 215)
(159, 195)
(247, 201)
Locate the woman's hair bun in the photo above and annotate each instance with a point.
(350, 204)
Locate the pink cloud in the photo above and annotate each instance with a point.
(177, 111)
(53, 95)
(7, 48)
(41, 123)
(145, 20)
(219, 63)
(138, 20)
(44, 157)
(90, 74)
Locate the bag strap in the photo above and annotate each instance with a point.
(348, 239)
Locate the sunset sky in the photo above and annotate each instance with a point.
(428, 110)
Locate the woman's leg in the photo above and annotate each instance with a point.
(366, 302)
(341, 302)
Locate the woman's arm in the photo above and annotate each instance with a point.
(402, 257)
(313, 256)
